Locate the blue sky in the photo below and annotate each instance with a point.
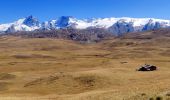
(11, 10)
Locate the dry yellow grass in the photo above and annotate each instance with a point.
(55, 69)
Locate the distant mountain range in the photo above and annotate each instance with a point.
(117, 26)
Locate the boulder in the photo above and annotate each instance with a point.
(147, 67)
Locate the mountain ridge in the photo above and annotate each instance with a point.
(117, 26)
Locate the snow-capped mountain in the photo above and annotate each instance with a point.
(117, 26)
(25, 24)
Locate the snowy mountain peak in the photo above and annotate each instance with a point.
(31, 21)
(115, 25)
(63, 21)
(25, 24)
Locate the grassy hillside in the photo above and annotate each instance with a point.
(58, 69)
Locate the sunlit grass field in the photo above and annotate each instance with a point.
(58, 69)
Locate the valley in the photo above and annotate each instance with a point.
(63, 69)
